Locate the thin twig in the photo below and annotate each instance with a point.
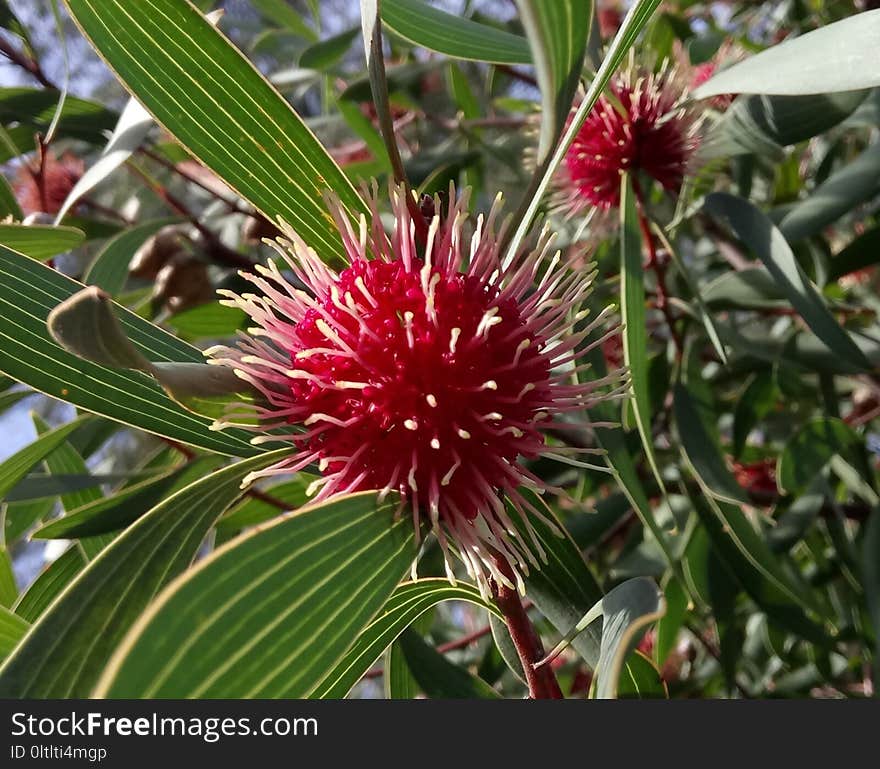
(516, 74)
(232, 205)
(215, 246)
(27, 63)
(458, 643)
(658, 266)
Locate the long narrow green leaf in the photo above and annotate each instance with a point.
(28, 292)
(38, 486)
(708, 467)
(564, 588)
(621, 463)
(279, 12)
(8, 588)
(8, 204)
(66, 460)
(269, 613)
(853, 184)
(215, 102)
(557, 33)
(68, 648)
(408, 602)
(114, 512)
(19, 464)
(437, 676)
(40, 241)
(80, 118)
(769, 245)
(50, 582)
(782, 605)
(838, 57)
(20, 516)
(455, 36)
(325, 54)
(12, 630)
(702, 451)
(632, 308)
(397, 679)
(764, 124)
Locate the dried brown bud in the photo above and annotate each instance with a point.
(182, 283)
(155, 252)
(257, 227)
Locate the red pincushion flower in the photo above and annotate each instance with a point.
(643, 126)
(45, 191)
(431, 375)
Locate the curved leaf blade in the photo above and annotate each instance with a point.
(13, 469)
(557, 35)
(409, 601)
(40, 241)
(759, 233)
(133, 126)
(702, 451)
(215, 102)
(12, 630)
(840, 193)
(114, 512)
(454, 36)
(437, 676)
(632, 309)
(838, 57)
(29, 291)
(270, 612)
(67, 649)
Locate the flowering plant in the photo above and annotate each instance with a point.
(476, 355)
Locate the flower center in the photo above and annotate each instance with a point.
(419, 379)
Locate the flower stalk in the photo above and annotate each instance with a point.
(541, 680)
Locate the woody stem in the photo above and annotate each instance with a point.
(541, 681)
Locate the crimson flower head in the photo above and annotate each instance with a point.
(46, 189)
(428, 367)
(642, 126)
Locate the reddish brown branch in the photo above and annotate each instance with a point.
(541, 681)
(27, 63)
(232, 205)
(458, 643)
(214, 246)
(658, 265)
(516, 74)
(189, 455)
